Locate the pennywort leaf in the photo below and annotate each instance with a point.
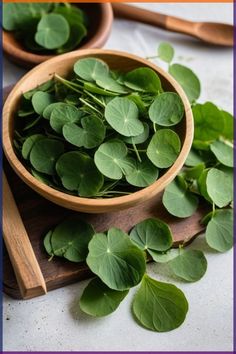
(165, 52)
(159, 306)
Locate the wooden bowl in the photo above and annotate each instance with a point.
(101, 16)
(63, 65)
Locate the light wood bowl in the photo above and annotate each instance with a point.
(101, 18)
(63, 65)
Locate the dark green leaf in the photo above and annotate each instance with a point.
(143, 79)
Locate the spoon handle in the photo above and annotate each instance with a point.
(24, 262)
(170, 23)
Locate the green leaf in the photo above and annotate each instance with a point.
(193, 172)
(89, 136)
(46, 86)
(152, 234)
(189, 265)
(187, 79)
(53, 31)
(143, 79)
(116, 260)
(164, 148)
(224, 152)
(91, 69)
(47, 243)
(79, 173)
(91, 87)
(138, 139)
(193, 158)
(112, 161)
(108, 83)
(202, 185)
(159, 306)
(143, 174)
(228, 132)
(219, 188)
(164, 257)
(178, 200)
(41, 100)
(99, 300)
(16, 15)
(28, 144)
(48, 110)
(208, 122)
(219, 231)
(165, 52)
(122, 115)
(167, 109)
(70, 239)
(64, 114)
(77, 33)
(45, 153)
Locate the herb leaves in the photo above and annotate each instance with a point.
(97, 126)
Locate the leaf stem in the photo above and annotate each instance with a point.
(136, 152)
(154, 127)
(90, 106)
(67, 83)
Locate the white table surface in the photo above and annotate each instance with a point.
(51, 322)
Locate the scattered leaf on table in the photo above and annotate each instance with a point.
(99, 300)
(224, 152)
(159, 306)
(165, 52)
(219, 188)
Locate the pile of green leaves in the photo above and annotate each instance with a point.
(45, 28)
(101, 133)
(207, 176)
(118, 260)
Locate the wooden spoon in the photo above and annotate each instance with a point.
(213, 33)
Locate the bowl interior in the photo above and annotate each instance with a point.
(96, 12)
(63, 65)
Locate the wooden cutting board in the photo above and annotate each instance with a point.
(40, 215)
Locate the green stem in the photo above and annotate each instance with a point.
(90, 106)
(152, 57)
(67, 83)
(95, 99)
(136, 152)
(154, 127)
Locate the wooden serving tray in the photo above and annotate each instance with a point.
(39, 215)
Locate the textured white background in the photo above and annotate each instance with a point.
(53, 322)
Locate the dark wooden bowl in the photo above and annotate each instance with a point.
(101, 17)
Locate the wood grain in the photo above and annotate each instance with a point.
(62, 65)
(28, 273)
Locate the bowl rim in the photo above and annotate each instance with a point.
(96, 41)
(89, 204)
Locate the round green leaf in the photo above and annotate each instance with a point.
(189, 265)
(48, 110)
(45, 153)
(79, 173)
(70, 239)
(108, 83)
(178, 200)
(224, 152)
(187, 79)
(167, 109)
(112, 161)
(116, 260)
(143, 79)
(193, 172)
(64, 114)
(47, 243)
(28, 144)
(91, 69)
(122, 115)
(53, 31)
(228, 132)
(219, 231)
(164, 148)
(165, 52)
(99, 300)
(41, 100)
(90, 135)
(152, 234)
(208, 122)
(202, 185)
(219, 188)
(77, 33)
(193, 158)
(159, 306)
(138, 139)
(143, 174)
(164, 257)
